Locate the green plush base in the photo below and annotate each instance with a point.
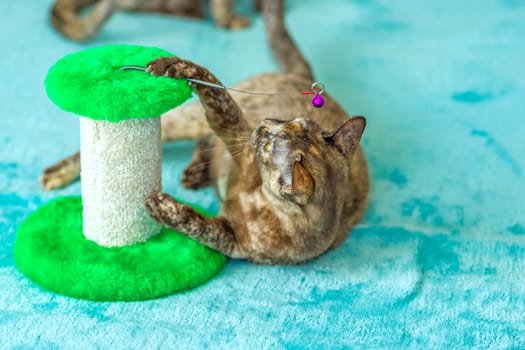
(51, 250)
(91, 83)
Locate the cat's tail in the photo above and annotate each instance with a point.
(284, 48)
(65, 17)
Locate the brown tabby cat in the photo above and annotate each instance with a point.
(292, 179)
(65, 15)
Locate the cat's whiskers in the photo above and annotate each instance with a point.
(234, 139)
(237, 153)
(203, 165)
(231, 147)
(232, 132)
(207, 164)
(235, 150)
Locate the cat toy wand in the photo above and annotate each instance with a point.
(317, 88)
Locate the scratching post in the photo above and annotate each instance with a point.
(103, 245)
(121, 165)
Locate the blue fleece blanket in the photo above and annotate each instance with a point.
(439, 260)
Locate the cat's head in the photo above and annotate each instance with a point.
(297, 158)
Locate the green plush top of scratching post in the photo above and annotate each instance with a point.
(91, 83)
(51, 250)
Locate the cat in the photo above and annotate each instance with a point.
(293, 179)
(66, 18)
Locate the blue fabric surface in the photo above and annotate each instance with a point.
(438, 262)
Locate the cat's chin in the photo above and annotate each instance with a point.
(282, 202)
(271, 194)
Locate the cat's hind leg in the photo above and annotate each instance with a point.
(189, 122)
(198, 173)
(215, 233)
(62, 173)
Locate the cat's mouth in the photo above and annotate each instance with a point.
(286, 170)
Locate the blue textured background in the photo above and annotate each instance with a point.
(439, 261)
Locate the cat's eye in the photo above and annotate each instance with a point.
(267, 147)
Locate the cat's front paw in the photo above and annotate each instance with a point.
(173, 67)
(166, 210)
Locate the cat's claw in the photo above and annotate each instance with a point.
(172, 67)
(157, 205)
(166, 210)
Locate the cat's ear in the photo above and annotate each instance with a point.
(301, 184)
(347, 136)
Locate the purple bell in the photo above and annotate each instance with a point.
(318, 101)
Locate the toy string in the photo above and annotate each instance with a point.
(317, 87)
